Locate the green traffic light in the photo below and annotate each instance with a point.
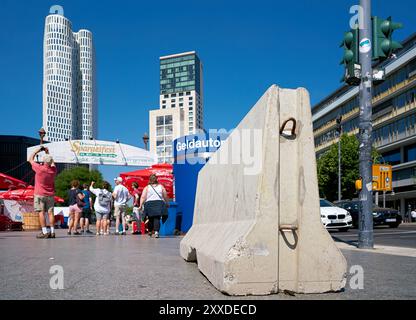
(348, 39)
(383, 43)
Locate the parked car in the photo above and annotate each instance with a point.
(381, 216)
(334, 217)
(353, 208)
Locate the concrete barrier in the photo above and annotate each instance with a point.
(257, 234)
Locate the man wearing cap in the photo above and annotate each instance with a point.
(121, 196)
(44, 192)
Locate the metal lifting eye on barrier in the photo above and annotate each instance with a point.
(282, 128)
(288, 227)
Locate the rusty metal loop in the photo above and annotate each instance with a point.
(282, 128)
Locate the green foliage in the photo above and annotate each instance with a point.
(82, 174)
(327, 166)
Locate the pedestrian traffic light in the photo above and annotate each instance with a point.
(352, 75)
(339, 127)
(383, 43)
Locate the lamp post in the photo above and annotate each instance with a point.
(42, 134)
(339, 130)
(145, 140)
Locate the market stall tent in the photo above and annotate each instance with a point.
(7, 182)
(164, 173)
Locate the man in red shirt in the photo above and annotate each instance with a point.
(44, 193)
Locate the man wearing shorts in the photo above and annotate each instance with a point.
(44, 192)
(121, 196)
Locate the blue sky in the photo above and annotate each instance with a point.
(244, 46)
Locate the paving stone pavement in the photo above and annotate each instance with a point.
(139, 267)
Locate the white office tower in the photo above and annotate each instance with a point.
(69, 85)
(181, 103)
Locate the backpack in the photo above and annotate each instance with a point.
(104, 199)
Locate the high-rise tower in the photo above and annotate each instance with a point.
(69, 84)
(181, 103)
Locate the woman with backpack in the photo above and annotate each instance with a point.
(102, 206)
(155, 202)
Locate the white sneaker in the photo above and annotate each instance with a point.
(156, 234)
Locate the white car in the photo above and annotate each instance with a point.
(334, 217)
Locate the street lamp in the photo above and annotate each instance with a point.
(42, 134)
(145, 140)
(339, 130)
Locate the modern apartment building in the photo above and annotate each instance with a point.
(69, 81)
(394, 122)
(181, 103)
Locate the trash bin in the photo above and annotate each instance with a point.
(168, 228)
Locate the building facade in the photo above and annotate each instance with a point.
(13, 157)
(394, 122)
(69, 81)
(181, 106)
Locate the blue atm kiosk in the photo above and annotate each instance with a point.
(190, 155)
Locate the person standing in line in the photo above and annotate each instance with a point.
(86, 210)
(44, 193)
(136, 204)
(121, 196)
(76, 204)
(154, 202)
(102, 206)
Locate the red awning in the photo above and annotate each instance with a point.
(164, 173)
(23, 195)
(7, 182)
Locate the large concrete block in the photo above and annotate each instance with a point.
(257, 233)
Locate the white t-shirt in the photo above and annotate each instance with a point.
(154, 193)
(122, 195)
(97, 207)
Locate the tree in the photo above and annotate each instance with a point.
(82, 174)
(327, 166)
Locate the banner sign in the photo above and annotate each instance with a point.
(97, 152)
(197, 147)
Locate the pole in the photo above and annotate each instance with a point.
(384, 199)
(339, 168)
(365, 237)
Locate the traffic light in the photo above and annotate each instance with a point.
(383, 43)
(350, 60)
(339, 127)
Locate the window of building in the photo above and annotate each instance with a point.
(180, 104)
(392, 157)
(188, 93)
(173, 106)
(410, 153)
(173, 95)
(168, 119)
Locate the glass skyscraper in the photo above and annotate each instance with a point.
(180, 74)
